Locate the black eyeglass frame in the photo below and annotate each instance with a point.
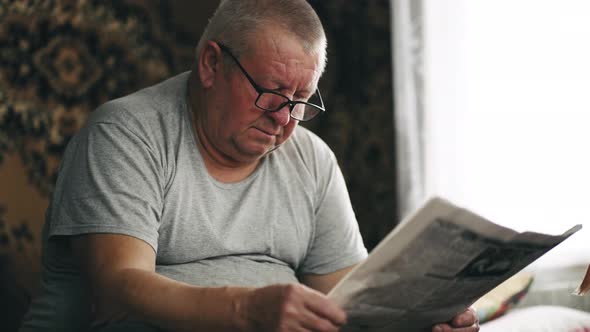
(262, 90)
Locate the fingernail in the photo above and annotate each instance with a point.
(438, 329)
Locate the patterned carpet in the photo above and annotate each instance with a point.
(61, 59)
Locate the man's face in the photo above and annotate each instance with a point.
(234, 126)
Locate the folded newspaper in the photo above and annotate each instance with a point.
(435, 264)
(584, 288)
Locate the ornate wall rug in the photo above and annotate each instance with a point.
(60, 59)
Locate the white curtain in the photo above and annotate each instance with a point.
(504, 119)
(409, 97)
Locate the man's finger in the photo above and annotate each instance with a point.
(323, 307)
(448, 328)
(464, 319)
(313, 322)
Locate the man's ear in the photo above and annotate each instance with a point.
(209, 63)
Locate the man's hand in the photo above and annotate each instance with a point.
(291, 307)
(464, 322)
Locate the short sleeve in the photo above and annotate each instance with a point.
(337, 242)
(109, 182)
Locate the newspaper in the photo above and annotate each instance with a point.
(435, 264)
(584, 288)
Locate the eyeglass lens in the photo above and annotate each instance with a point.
(273, 102)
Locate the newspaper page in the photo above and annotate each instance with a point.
(584, 288)
(435, 264)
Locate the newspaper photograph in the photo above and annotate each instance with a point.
(435, 264)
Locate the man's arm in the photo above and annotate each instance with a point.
(325, 282)
(121, 272)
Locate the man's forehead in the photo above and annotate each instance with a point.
(283, 58)
(282, 73)
(282, 68)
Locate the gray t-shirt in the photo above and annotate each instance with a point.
(135, 169)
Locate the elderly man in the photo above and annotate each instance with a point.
(198, 204)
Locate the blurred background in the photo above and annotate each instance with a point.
(483, 102)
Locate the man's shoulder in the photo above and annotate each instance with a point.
(145, 107)
(307, 140)
(309, 148)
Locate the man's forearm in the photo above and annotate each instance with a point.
(169, 304)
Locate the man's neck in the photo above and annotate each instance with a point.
(220, 166)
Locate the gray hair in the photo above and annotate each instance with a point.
(235, 23)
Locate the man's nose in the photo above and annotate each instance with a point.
(282, 116)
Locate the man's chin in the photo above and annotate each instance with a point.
(255, 153)
(272, 149)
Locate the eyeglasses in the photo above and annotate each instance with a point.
(272, 101)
